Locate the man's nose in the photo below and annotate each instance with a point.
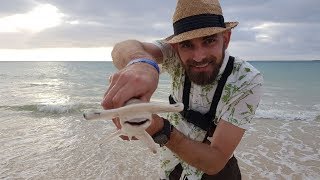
(199, 54)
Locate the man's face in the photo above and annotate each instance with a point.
(203, 57)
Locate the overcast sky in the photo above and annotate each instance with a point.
(268, 29)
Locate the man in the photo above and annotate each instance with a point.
(220, 92)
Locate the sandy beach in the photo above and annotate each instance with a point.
(271, 149)
(278, 149)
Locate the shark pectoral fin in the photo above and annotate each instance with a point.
(147, 140)
(110, 137)
(164, 108)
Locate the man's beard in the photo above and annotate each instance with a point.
(207, 77)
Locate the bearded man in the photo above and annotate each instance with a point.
(220, 93)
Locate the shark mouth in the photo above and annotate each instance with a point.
(132, 123)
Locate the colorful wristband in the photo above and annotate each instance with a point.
(144, 60)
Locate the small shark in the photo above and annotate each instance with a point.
(135, 117)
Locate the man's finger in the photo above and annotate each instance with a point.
(116, 122)
(112, 80)
(126, 93)
(116, 84)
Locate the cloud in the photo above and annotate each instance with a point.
(283, 11)
(15, 7)
(267, 29)
(275, 29)
(100, 23)
(40, 18)
(280, 40)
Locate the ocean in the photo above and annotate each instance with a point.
(43, 134)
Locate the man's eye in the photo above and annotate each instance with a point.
(209, 40)
(185, 45)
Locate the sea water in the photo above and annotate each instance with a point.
(291, 90)
(44, 136)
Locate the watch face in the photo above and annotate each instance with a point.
(163, 136)
(161, 139)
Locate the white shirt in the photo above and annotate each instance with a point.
(239, 100)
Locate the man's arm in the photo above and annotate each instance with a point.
(226, 137)
(138, 80)
(126, 51)
(208, 158)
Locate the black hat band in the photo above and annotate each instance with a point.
(197, 22)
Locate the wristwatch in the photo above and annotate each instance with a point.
(163, 136)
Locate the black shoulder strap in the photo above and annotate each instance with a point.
(186, 92)
(217, 96)
(194, 117)
(210, 126)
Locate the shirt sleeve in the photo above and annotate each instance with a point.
(170, 57)
(241, 109)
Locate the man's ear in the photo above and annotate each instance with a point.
(226, 38)
(175, 46)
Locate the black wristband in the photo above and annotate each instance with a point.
(163, 136)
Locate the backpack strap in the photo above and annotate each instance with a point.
(206, 120)
(217, 96)
(203, 120)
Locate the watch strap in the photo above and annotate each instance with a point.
(163, 136)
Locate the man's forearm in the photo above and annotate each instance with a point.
(204, 157)
(126, 51)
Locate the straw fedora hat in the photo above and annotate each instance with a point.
(198, 18)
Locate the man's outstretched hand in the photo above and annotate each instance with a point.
(138, 80)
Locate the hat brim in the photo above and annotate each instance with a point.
(199, 33)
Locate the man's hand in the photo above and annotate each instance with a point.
(138, 80)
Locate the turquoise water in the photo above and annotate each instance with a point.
(291, 89)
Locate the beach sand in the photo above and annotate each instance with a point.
(64, 149)
(279, 149)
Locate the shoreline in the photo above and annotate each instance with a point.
(68, 148)
(280, 149)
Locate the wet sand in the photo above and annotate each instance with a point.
(65, 148)
(277, 149)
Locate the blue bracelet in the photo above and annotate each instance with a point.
(144, 60)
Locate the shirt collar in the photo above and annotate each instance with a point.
(224, 64)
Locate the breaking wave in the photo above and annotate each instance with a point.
(52, 108)
(286, 114)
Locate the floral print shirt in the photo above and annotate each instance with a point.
(239, 101)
